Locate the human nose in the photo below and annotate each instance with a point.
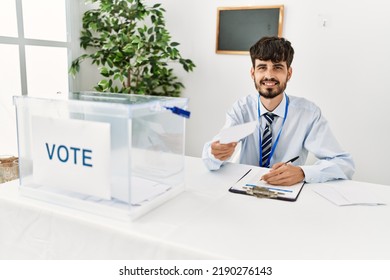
(269, 73)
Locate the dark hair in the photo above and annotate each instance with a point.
(272, 48)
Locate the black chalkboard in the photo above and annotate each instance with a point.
(238, 28)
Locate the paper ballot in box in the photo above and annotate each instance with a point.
(117, 155)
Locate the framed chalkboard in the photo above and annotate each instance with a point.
(238, 28)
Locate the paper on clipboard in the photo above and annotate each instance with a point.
(252, 178)
(237, 132)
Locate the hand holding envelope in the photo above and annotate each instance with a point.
(237, 132)
(224, 148)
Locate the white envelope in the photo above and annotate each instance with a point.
(347, 195)
(237, 132)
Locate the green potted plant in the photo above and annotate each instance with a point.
(132, 47)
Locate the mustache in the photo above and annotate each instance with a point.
(269, 80)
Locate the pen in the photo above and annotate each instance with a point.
(292, 160)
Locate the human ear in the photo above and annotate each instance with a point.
(289, 73)
(252, 73)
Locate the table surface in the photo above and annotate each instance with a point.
(204, 222)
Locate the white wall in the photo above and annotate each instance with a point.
(343, 67)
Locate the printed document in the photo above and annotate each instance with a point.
(348, 195)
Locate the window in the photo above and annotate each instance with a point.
(35, 57)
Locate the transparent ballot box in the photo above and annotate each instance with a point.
(117, 155)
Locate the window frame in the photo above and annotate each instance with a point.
(22, 42)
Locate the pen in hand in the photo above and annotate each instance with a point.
(292, 160)
(285, 163)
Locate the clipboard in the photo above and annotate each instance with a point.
(250, 182)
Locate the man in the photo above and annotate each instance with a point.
(288, 126)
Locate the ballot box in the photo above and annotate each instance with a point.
(116, 155)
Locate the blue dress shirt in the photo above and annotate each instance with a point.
(305, 130)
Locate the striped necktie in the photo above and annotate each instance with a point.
(266, 145)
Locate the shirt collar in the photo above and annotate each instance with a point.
(279, 111)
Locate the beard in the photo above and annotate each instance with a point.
(267, 92)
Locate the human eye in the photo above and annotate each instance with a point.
(261, 67)
(279, 67)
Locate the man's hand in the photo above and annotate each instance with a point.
(284, 175)
(222, 151)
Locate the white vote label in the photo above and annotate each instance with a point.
(72, 155)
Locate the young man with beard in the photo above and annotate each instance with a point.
(297, 126)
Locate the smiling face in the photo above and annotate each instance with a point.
(270, 78)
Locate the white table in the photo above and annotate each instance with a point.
(204, 222)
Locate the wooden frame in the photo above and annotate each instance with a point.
(238, 28)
